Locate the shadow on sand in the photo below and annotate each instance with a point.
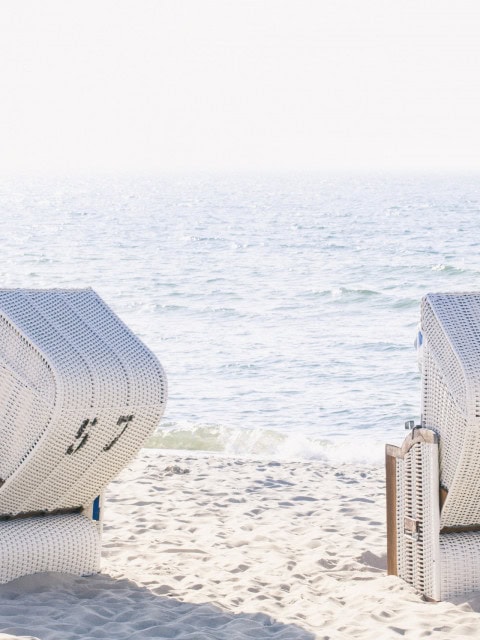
(52, 606)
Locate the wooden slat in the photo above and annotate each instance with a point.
(391, 484)
(443, 497)
(465, 529)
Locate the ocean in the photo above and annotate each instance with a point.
(283, 307)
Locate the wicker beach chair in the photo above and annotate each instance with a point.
(433, 480)
(79, 395)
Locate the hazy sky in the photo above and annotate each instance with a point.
(150, 85)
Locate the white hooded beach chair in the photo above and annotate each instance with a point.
(79, 395)
(433, 480)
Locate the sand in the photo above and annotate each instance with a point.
(212, 548)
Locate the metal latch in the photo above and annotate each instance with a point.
(411, 527)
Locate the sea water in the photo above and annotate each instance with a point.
(283, 307)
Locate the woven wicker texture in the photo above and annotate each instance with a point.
(451, 398)
(403, 561)
(67, 543)
(417, 483)
(460, 563)
(79, 395)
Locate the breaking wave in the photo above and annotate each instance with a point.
(261, 443)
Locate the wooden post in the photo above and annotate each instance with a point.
(391, 486)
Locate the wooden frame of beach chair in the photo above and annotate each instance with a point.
(79, 395)
(433, 480)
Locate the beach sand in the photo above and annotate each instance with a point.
(214, 548)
